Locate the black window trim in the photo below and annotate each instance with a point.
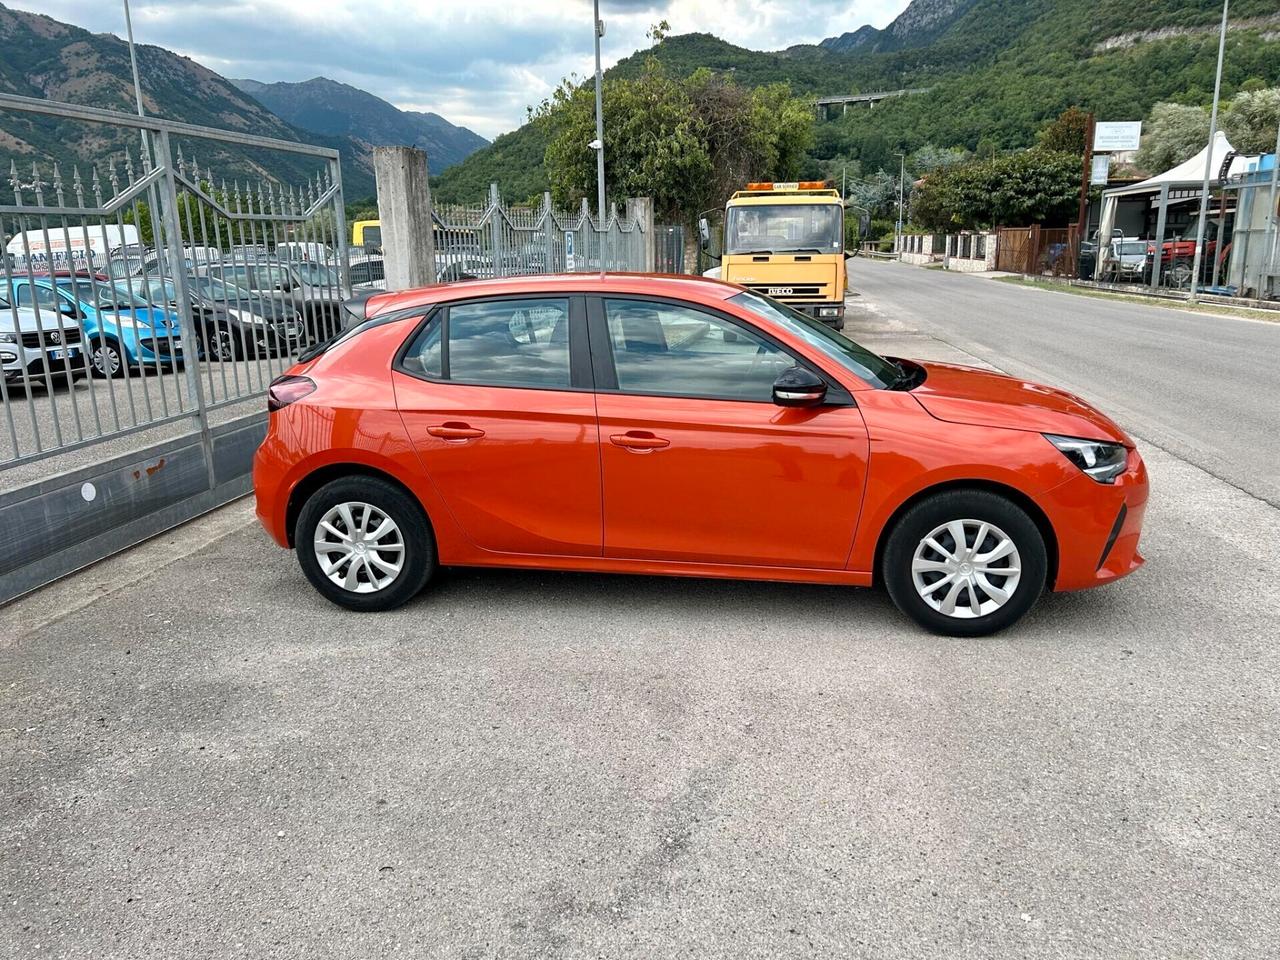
(580, 379)
(606, 370)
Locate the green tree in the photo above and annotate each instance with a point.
(1066, 133)
(685, 143)
(1251, 118)
(1013, 190)
(1171, 134)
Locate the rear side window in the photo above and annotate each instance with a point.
(501, 343)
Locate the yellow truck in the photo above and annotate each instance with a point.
(786, 241)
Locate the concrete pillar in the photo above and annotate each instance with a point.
(404, 209)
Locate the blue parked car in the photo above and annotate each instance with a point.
(119, 327)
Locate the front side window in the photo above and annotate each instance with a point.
(854, 357)
(501, 343)
(664, 349)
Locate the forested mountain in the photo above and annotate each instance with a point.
(324, 106)
(996, 69)
(44, 58)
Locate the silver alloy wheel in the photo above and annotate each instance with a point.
(359, 547)
(105, 359)
(966, 569)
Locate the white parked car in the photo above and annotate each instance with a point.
(28, 349)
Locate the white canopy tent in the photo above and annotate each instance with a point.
(1188, 175)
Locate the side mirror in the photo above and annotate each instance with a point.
(864, 225)
(799, 387)
(704, 233)
(69, 310)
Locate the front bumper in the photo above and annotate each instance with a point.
(831, 314)
(1098, 526)
(35, 361)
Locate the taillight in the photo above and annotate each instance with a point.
(285, 390)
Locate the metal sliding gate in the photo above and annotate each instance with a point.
(146, 302)
(495, 240)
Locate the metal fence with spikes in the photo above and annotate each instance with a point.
(154, 292)
(493, 239)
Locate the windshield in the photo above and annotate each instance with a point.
(315, 275)
(215, 289)
(1132, 248)
(105, 296)
(775, 228)
(871, 367)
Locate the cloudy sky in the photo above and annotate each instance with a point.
(478, 63)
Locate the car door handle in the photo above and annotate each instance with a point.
(639, 441)
(455, 431)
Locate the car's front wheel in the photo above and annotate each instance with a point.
(105, 358)
(965, 563)
(364, 543)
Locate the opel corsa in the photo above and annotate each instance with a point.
(683, 426)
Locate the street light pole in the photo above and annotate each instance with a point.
(598, 29)
(1208, 160)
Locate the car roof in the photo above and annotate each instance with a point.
(679, 286)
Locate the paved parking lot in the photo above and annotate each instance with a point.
(205, 760)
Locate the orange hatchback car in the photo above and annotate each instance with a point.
(682, 426)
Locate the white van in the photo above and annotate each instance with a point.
(79, 247)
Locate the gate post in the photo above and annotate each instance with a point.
(1161, 219)
(548, 228)
(171, 226)
(495, 227)
(340, 227)
(404, 209)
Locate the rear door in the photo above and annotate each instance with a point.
(496, 396)
(699, 464)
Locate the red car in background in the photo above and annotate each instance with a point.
(683, 426)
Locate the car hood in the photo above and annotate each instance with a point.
(958, 394)
(26, 320)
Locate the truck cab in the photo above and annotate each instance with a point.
(786, 241)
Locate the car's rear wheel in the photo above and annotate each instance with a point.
(364, 543)
(965, 563)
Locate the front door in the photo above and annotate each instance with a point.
(496, 397)
(699, 465)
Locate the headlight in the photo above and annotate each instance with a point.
(8, 338)
(1100, 460)
(828, 311)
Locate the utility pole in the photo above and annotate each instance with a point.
(598, 29)
(1082, 215)
(1208, 160)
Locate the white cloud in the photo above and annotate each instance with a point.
(478, 63)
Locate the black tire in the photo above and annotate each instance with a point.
(985, 507)
(415, 534)
(101, 352)
(221, 344)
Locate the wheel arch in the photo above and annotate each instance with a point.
(1013, 494)
(317, 478)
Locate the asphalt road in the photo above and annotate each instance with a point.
(203, 759)
(1204, 387)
